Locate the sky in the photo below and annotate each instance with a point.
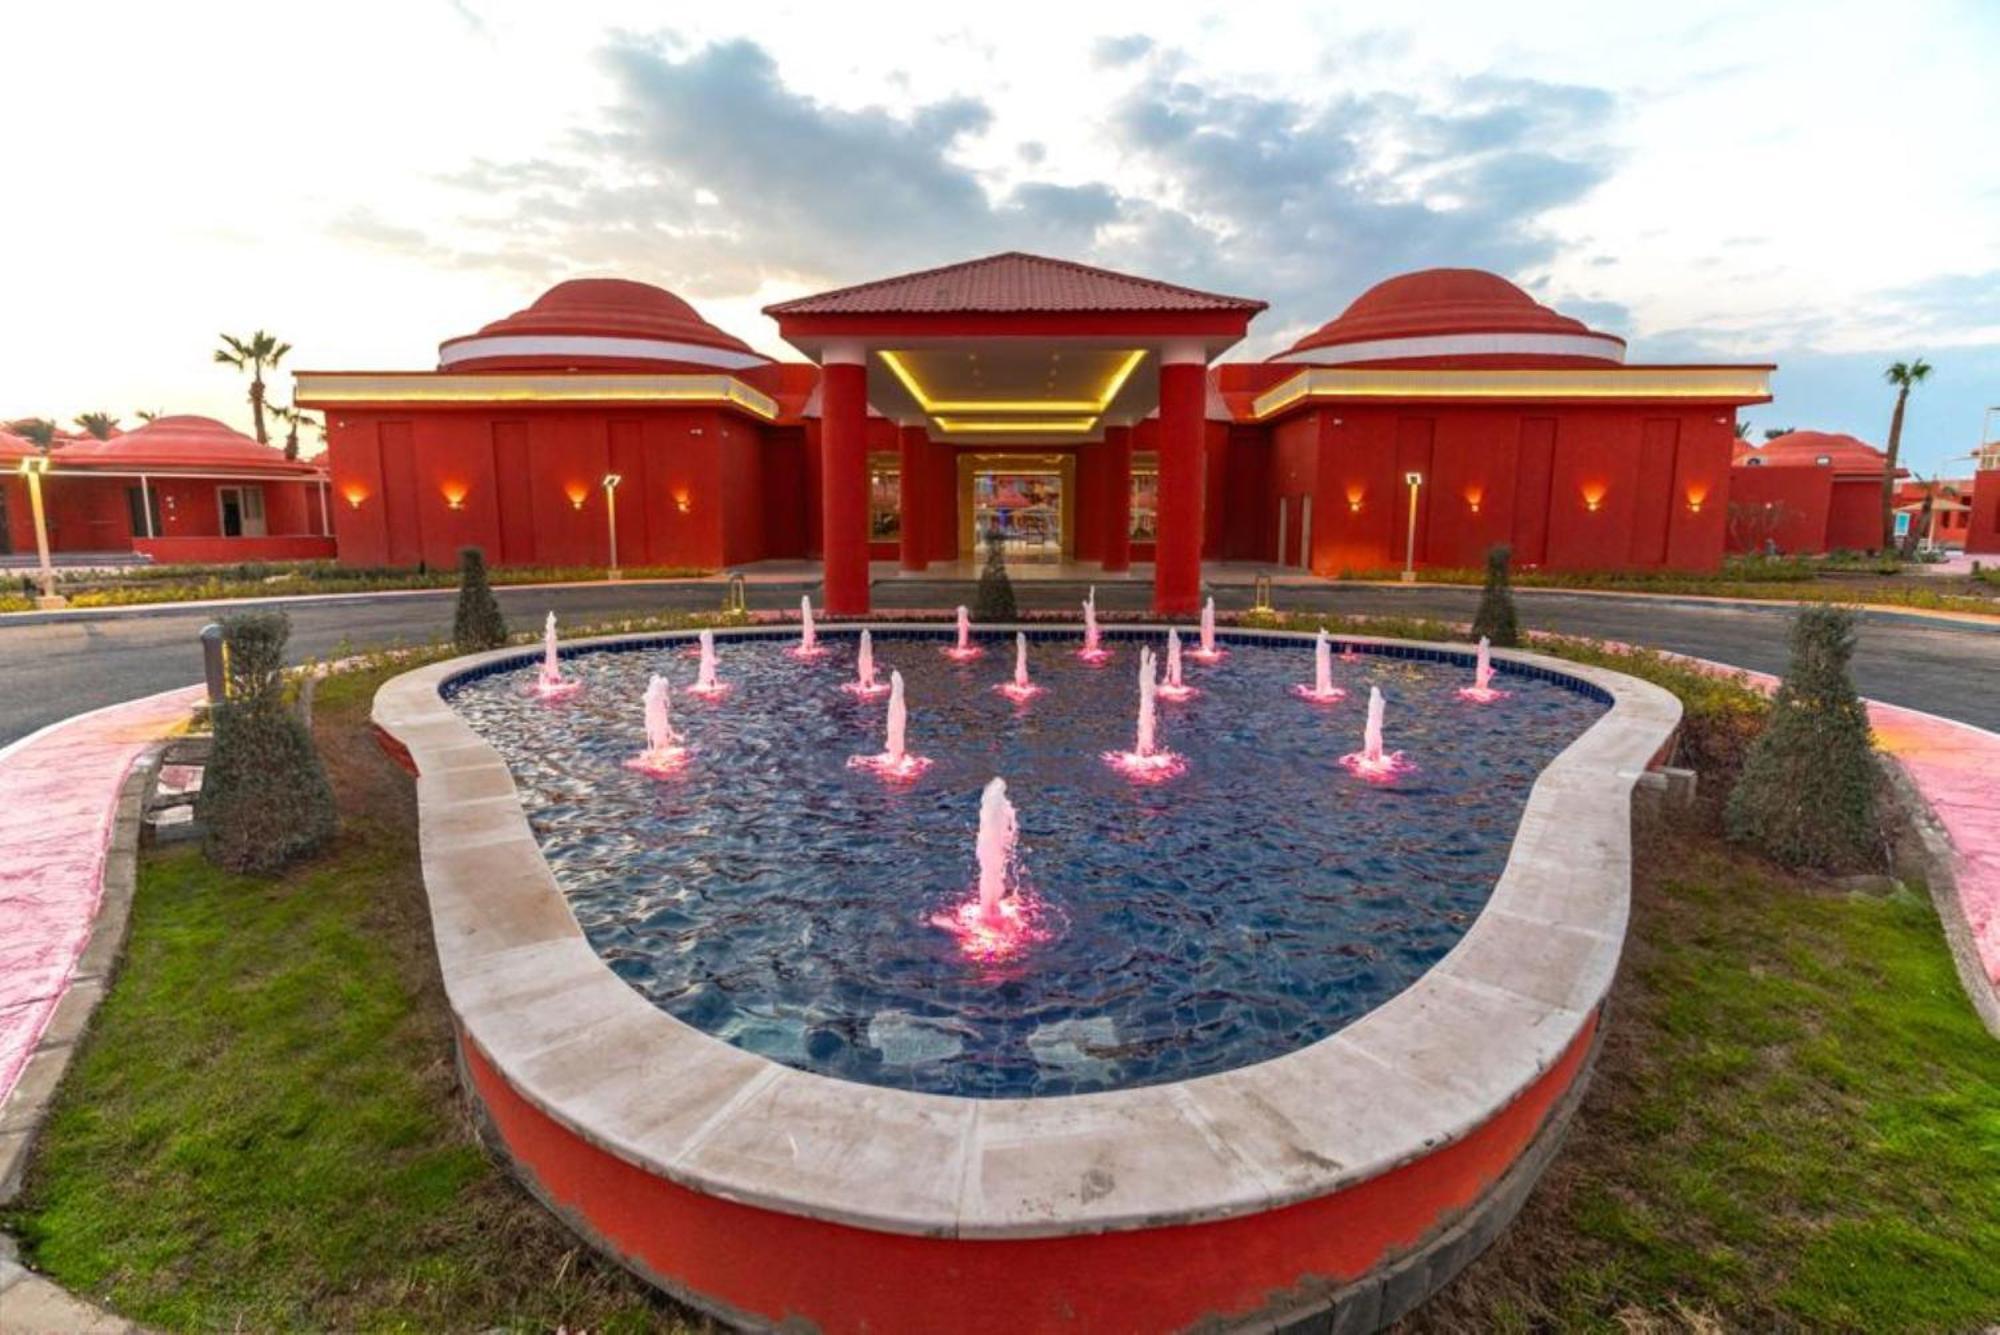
(1813, 184)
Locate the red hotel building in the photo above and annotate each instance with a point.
(1077, 411)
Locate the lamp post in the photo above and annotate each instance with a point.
(1416, 481)
(611, 481)
(32, 469)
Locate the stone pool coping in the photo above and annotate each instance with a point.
(1420, 1071)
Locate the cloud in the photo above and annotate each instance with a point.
(1107, 52)
(710, 174)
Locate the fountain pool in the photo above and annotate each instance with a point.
(1258, 902)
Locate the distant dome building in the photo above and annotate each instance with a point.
(930, 401)
(177, 489)
(1807, 492)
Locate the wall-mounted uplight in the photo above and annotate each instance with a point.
(577, 493)
(454, 496)
(354, 496)
(1695, 496)
(682, 501)
(1473, 496)
(1354, 495)
(1593, 496)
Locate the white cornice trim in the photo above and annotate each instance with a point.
(1461, 345)
(457, 350)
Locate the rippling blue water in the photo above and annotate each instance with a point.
(776, 899)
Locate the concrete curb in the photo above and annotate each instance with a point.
(1927, 852)
(32, 1303)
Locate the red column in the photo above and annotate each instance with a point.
(844, 482)
(914, 445)
(1183, 408)
(1117, 449)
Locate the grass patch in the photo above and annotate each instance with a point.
(1795, 1124)
(263, 1130)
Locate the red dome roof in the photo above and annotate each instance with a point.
(600, 324)
(1845, 455)
(184, 443)
(1462, 317)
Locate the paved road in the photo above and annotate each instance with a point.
(52, 669)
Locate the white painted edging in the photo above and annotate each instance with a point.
(1420, 1071)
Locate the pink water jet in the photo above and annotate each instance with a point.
(1093, 651)
(1371, 762)
(706, 684)
(1147, 761)
(1173, 688)
(1482, 690)
(894, 761)
(1210, 651)
(550, 684)
(666, 753)
(1322, 691)
(865, 684)
(1000, 918)
(808, 646)
(965, 650)
(1020, 690)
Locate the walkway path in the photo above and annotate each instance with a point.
(58, 794)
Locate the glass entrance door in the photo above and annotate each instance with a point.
(1024, 507)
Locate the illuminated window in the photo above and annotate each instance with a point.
(885, 503)
(1145, 505)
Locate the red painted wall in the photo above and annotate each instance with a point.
(94, 514)
(1571, 487)
(1854, 515)
(837, 1278)
(1799, 498)
(1982, 537)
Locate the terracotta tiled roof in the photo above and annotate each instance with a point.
(1011, 283)
(1432, 303)
(1845, 455)
(184, 442)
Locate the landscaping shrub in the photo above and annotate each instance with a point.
(1496, 619)
(995, 598)
(265, 801)
(477, 624)
(1807, 795)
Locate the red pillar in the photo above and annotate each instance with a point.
(914, 446)
(1117, 498)
(1183, 410)
(844, 481)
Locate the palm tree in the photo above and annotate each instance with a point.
(254, 354)
(98, 425)
(147, 414)
(1905, 376)
(1772, 433)
(1742, 429)
(37, 431)
(294, 417)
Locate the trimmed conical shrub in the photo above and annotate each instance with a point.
(1807, 795)
(265, 801)
(994, 601)
(1496, 619)
(477, 624)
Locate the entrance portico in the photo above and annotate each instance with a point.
(1015, 355)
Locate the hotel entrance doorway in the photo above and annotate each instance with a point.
(1027, 501)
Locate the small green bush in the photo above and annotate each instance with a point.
(1807, 795)
(1496, 619)
(477, 624)
(994, 601)
(265, 801)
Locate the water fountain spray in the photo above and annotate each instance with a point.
(1020, 689)
(965, 650)
(865, 683)
(1093, 651)
(1173, 688)
(1482, 690)
(1322, 691)
(706, 684)
(894, 761)
(665, 751)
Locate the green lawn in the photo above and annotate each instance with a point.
(1795, 1125)
(1795, 1121)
